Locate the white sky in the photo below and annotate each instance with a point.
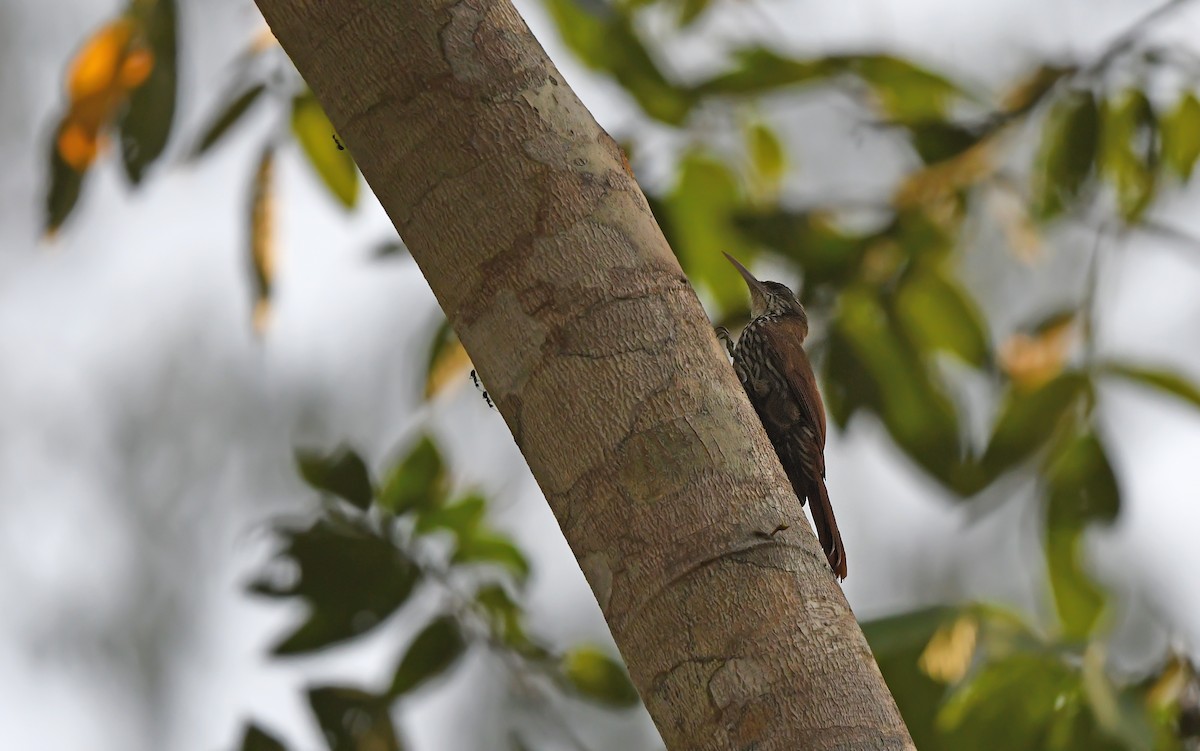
(145, 435)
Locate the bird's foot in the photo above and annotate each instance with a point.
(723, 335)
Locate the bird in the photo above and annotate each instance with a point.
(774, 369)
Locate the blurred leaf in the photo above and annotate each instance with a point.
(945, 180)
(906, 91)
(1067, 154)
(1081, 484)
(767, 159)
(938, 140)
(1181, 136)
(505, 618)
(257, 739)
(1030, 90)
(937, 313)
(417, 482)
(486, 547)
(1010, 704)
(757, 70)
(1130, 151)
(335, 166)
(462, 517)
(1078, 601)
(229, 115)
(690, 10)
(594, 675)
(914, 408)
(1028, 418)
(809, 239)
(431, 653)
(146, 123)
(262, 237)
(353, 720)
(1116, 712)
(390, 249)
(65, 186)
(701, 210)
(604, 38)
(1163, 380)
(341, 472)
(898, 642)
(907, 631)
(351, 579)
(1032, 359)
(447, 360)
(1081, 488)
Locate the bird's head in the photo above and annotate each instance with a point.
(770, 298)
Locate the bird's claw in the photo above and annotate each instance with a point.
(723, 335)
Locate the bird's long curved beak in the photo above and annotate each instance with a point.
(758, 292)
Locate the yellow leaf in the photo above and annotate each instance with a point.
(262, 238)
(948, 654)
(942, 180)
(96, 66)
(448, 364)
(1033, 359)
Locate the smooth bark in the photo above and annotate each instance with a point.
(526, 219)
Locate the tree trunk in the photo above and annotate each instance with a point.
(525, 218)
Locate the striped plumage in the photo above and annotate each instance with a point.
(771, 363)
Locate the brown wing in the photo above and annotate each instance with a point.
(783, 339)
(795, 422)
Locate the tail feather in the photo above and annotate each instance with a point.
(827, 529)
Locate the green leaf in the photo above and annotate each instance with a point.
(462, 517)
(938, 314)
(432, 652)
(1027, 419)
(1163, 380)
(486, 547)
(1012, 703)
(65, 186)
(898, 643)
(1181, 136)
(446, 362)
(1130, 151)
(767, 158)
(505, 618)
(342, 473)
(1077, 600)
(594, 675)
(758, 70)
(314, 132)
(257, 739)
(905, 91)
(353, 720)
(914, 408)
(230, 114)
(1067, 156)
(701, 215)
(938, 140)
(351, 579)
(1081, 488)
(417, 482)
(827, 255)
(1081, 483)
(389, 249)
(605, 39)
(146, 123)
(906, 631)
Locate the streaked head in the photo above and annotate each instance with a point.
(770, 298)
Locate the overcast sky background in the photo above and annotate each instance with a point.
(145, 434)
